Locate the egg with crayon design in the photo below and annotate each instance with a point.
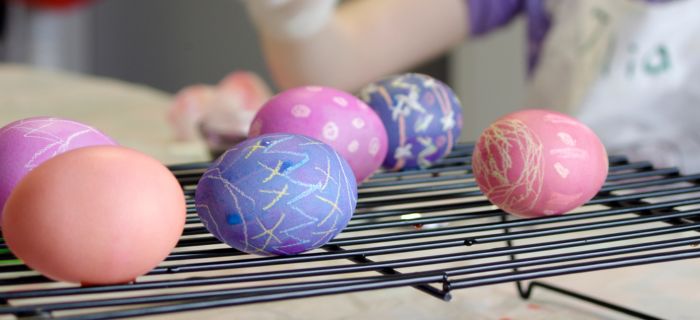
(277, 194)
(422, 116)
(534, 163)
(26, 143)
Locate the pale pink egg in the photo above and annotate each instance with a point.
(332, 116)
(534, 162)
(95, 215)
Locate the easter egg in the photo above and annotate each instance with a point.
(277, 194)
(533, 163)
(26, 143)
(334, 117)
(95, 215)
(422, 116)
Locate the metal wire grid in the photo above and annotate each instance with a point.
(431, 230)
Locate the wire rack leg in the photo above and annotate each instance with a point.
(443, 294)
(526, 293)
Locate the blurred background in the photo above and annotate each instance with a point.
(169, 44)
(115, 64)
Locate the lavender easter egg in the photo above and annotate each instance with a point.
(532, 163)
(422, 116)
(337, 118)
(277, 194)
(26, 143)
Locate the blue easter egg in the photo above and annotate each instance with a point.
(422, 116)
(277, 194)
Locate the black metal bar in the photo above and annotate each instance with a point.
(207, 304)
(518, 223)
(186, 296)
(577, 268)
(362, 259)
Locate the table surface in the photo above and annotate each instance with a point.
(135, 116)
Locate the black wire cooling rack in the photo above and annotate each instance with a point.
(431, 230)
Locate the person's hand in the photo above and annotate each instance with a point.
(290, 19)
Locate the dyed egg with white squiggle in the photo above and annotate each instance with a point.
(26, 143)
(422, 116)
(535, 162)
(335, 117)
(277, 194)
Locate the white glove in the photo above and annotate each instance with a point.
(291, 19)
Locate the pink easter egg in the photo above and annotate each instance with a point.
(534, 163)
(26, 143)
(334, 117)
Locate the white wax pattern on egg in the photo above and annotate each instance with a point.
(333, 116)
(26, 143)
(422, 115)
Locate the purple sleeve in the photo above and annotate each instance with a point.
(486, 15)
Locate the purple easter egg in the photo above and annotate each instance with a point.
(277, 194)
(335, 117)
(422, 116)
(26, 143)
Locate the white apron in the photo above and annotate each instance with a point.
(630, 70)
